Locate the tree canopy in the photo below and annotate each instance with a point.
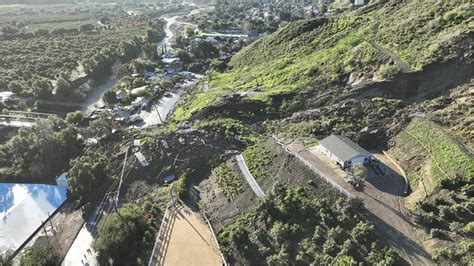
(122, 234)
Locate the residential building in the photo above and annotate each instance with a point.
(344, 152)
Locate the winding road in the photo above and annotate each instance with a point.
(248, 176)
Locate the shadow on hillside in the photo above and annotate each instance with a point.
(387, 180)
(411, 252)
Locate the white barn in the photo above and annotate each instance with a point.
(344, 152)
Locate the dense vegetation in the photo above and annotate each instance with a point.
(442, 186)
(290, 227)
(40, 152)
(124, 234)
(39, 256)
(45, 50)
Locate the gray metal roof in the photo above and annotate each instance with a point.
(343, 148)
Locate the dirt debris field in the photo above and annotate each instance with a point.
(222, 203)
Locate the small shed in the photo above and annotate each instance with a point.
(344, 152)
(62, 180)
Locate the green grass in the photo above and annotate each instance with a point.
(311, 143)
(414, 180)
(319, 54)
(258, 160)
(452, 158)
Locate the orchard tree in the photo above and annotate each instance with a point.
(363, 232)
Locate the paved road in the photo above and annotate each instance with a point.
(248, 176)
(78, 253)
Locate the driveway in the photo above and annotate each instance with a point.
(383, 196)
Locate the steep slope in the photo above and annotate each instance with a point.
(440, 172)
(358, 53)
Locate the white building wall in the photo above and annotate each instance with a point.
(359, 160)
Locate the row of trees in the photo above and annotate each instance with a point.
(31, 67)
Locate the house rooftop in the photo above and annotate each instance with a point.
(343, 148)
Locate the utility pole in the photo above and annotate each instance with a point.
(121, 179)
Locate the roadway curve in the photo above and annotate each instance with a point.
(248, 176)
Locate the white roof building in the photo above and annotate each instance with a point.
(62, 180)
(344, 152)
(5, 95)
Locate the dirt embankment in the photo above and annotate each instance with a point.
(432, 81)
(225, 202)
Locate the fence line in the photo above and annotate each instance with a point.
(314, 169)
(215, 238)
(158, 235)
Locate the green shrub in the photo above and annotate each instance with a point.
(363, 233)
(39, 256)
(469, 229)
(437, 233)
(122, 234)
(456, 15)
(388, 71)
(181, 186)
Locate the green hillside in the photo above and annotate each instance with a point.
(319, 55)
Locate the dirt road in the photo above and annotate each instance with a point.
(383, 196)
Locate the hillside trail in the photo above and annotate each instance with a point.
(404, 66)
